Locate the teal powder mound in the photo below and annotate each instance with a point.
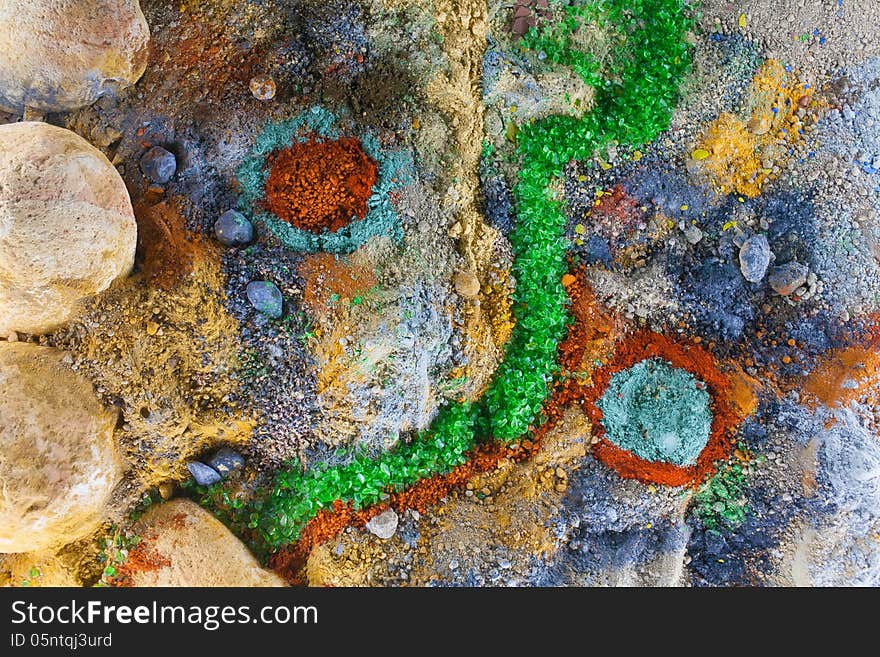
(657, 412)
(381, 219)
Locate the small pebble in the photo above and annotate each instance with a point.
(693, 234)
(754, 258)
(158, 164)
(233, 229)
(166, 490)
(266, 298)
(262, 87)
(788, 277)
(383, 525)
(203, 474)
(225, 460)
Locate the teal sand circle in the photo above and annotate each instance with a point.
(657, 412)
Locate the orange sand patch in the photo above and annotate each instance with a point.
(843, 376)
(168, 253)
(327, 277)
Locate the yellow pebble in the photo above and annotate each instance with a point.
(700, 154)
(684, 207)
(580, 229)
(742, 21)
(637, 155)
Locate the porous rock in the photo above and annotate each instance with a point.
(67, 229)
(184, 545)
(58, 55)
(58, 460)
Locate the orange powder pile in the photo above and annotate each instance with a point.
(167, 252)
(318, 185)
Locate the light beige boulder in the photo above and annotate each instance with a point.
(67, 229)
(58, 461)
(184, 545)
(58, 55)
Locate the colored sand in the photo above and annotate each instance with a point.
(393, 169)
(644, 345)
(648, 64)
(318, 185)
(657, 412)
(734, 151)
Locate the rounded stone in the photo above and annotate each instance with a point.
(233, 229)
(58, 459)
(788, 277)
(58, 55)
(184, 545)
(67, 229)
(754, 258)
(158, 165)
(262, 87)
(266, 298)
(466, 284)
(204, 475)
(226, 460)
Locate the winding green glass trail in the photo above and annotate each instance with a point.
(634, 101)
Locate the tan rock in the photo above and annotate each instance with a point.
(184, 545)
(58, 55)
(466, 284)
(67, 229)
(58, 462)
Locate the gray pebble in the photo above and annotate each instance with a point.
(754, 258)
(233, 229)
(266, 298)
(226, 460)
(203, 474)
(158, 164)
(692, 234)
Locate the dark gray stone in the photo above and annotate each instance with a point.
(266, 298)
(158, 164)
(233, 229)
(226, 460)
(203, 474)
